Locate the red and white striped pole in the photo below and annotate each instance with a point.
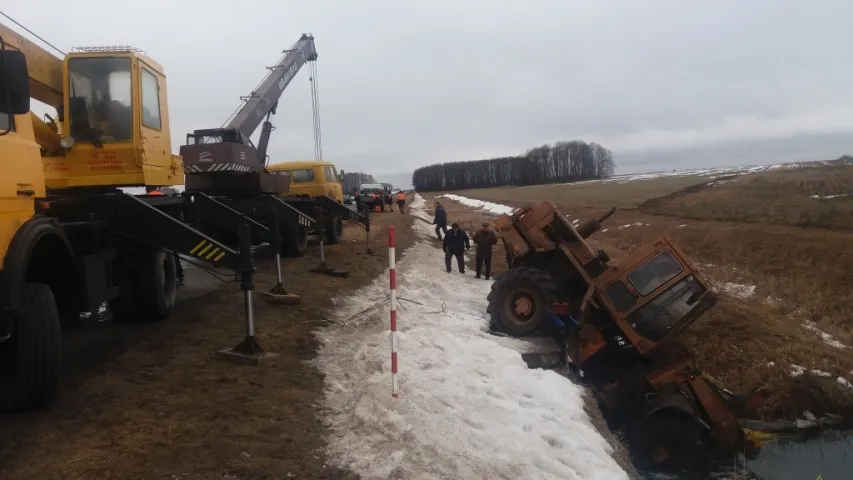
(392, 274)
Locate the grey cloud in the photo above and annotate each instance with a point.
(404, 84)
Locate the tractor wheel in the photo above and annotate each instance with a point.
(149, 285)
(520, 300)
(334, 230)
(31, 359)
(294, 240)
(670, 441)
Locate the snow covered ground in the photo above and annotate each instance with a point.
(469, 408)
(488, 208)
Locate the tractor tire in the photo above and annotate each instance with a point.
(334, 230)
(670, 441)
(31, 360)
(294, 240)
(149, 286)
(520, 300)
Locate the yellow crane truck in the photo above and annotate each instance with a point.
(71, 240)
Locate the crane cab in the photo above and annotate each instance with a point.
(114, 123)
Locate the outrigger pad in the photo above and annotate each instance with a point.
(247, 352)
(278, 294)
(330, 271)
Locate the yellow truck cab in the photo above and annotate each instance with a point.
(311, 178)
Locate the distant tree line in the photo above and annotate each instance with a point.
(352, 180)
(561, 162)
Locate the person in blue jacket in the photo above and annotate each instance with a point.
(455, 243)
(440, 220)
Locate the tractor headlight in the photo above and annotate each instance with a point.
(66, 142)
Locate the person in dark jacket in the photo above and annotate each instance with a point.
(455, 243)
(440, 220)
(484, 239)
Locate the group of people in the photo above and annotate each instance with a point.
(456, 241)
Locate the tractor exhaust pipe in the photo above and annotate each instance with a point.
(588, 228)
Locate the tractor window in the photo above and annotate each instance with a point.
(655, 319)
(621, 296)
(303, 175)
(655, 272)
(150, 100)
(100, 107)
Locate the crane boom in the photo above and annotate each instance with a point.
(263, 100)
(224, 159)
(45, 69)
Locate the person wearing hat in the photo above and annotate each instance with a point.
(485, 238)
(455, 243)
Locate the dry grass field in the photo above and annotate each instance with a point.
(777, 243)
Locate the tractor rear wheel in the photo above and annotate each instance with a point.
(31, 358)
(520, 300)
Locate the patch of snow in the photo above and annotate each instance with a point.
(771, 364)
(825, 197)
(682, 226)
(827, 338)
(844, 382)
(772, 301)
(624, 226)
(797, 370)
(469, 406)
(738, 290)
(604, 230)
(488, 208)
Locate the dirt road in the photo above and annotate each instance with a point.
(147, 401)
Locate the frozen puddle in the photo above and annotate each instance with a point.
(469, 407)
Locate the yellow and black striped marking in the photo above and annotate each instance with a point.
(206, 250)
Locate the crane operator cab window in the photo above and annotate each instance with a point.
(100, 105)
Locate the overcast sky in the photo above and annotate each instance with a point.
(409, 83)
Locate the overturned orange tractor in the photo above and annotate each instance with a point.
(616, 323)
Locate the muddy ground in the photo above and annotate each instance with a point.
(147, 401)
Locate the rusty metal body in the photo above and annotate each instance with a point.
(627, 316)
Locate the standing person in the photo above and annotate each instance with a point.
(376, 200)
(455, 243)
(401, 200)
(485, 238)
(440, 220)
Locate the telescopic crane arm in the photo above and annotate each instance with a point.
(261, 104)
(45, 69)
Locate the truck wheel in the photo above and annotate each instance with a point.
(294, 240)
(520, 300)
(149, 286)
(334, 230)
(30, 361)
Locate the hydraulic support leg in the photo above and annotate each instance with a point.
(278, 293)
(249, 350)
(323, 268)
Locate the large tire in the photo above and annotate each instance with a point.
(294, 240)
(31, 360)
(149, 286)
(669, 441)
(520, 300)
(334, 230)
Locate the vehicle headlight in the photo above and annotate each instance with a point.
(66, 142)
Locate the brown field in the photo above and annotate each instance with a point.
(759, 229)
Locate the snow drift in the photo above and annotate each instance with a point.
(469, 407)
